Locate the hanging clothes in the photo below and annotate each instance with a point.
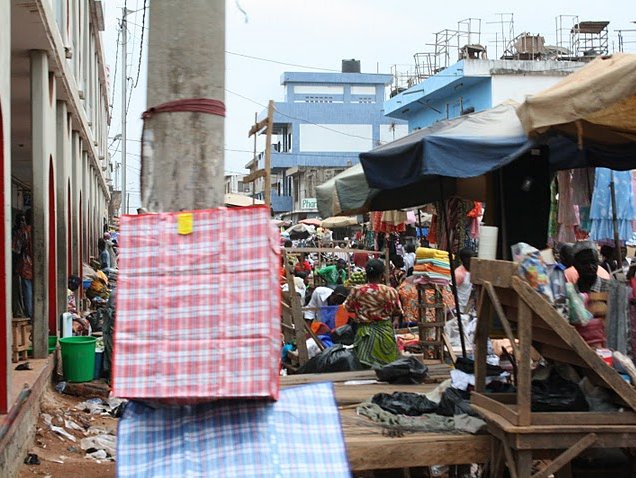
(601, 211)
(568, 214)
(388, 221)
(474, 216)
(582, 186)
(618, 323)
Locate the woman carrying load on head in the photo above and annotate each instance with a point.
(375, 307)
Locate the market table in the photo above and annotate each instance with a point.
(368, 446)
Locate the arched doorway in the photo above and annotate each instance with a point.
(52, 253)
(4, 350)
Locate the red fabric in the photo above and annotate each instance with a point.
(302, 266)
(377, 225)
(198, 315)
(360, 259)
(593, 333)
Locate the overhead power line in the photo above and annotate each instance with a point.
(141, 43)
(269, 60)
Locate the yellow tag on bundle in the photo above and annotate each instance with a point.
(185, 223)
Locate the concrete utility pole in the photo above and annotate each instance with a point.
(182, 163)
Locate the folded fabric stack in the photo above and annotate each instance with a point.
(432, 265)
(428, 253)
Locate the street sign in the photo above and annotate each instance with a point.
(308, 203)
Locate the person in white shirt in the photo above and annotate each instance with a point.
(462, 276)
(324, 296)
(409, 259)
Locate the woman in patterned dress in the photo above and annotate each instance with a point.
(375, 306)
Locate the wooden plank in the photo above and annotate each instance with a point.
(569, 335)
(524, 463)
(559, 440)
(258, 126)
(435, 370)
(254, 176)
(561, 355)
(267, 192)
(508, 298)
(524, 370)
(494, 300)
(494, 406)
(369, 449)
(510, 460)
(584, 418)
(498, 273)
(555, 429)
(347, 395)
(296, 314)
(328, 250)
(449, 348)
(567, 456)
(313, 335)
(547, 336)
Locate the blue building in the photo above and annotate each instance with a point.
(326, 120)
(472, 85)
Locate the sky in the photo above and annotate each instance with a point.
(265, 38)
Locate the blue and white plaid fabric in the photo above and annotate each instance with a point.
(298, 436)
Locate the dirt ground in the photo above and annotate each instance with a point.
(60, 456)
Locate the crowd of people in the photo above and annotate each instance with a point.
(376, 308)
(350, 288)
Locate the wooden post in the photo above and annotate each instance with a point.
(266, 172)
(268, 154)
(524, 331)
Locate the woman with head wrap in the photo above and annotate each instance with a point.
(374, 306)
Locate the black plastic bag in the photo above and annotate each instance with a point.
(405, 370)
(467, 365)
(344, 335)
(556, 394)
(455, 402)
(404, 403)
(333, 359)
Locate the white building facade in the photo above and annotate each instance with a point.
(54, 156)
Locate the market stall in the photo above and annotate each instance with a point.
(531, 423)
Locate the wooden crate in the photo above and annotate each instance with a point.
(21, 330)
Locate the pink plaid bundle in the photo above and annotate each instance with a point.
(198, 306)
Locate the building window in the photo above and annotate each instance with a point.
(318, 90)
(363, 90)
(363, 99)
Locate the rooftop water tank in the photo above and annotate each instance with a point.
(351, 66)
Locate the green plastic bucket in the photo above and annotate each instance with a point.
(78, 358)
(52, 344)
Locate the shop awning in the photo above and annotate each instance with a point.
(463, 147)
(239, 200)
(597, 102)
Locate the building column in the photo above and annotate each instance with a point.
(86, 245)
(76, 185)
(61, 184)
(40, 130)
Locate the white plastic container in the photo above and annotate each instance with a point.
(67, 324)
